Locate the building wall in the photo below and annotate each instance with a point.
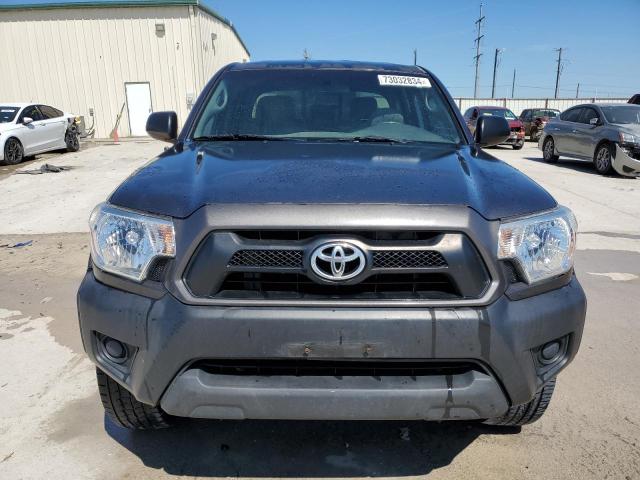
(212, 53)
(77, 59)
(516, 105)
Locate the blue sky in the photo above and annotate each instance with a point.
(600, 37)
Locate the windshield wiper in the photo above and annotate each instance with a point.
(236, 137)
(371, 139)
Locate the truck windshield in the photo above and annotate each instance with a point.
(622, 114)
(335, 105)
(7, 114)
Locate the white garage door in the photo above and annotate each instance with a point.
(138, 107)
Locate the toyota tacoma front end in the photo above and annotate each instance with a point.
(328, 241)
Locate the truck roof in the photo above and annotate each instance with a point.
(327, 65)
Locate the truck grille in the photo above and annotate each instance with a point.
(267, 258)
(408, 259)
(295, 285)
(275, 265)
(293, 259)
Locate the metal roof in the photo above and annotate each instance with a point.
(68, 4)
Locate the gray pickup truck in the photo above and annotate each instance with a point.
(327, 240)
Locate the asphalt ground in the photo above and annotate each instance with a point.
(52, 424)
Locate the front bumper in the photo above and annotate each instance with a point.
(167, 336)
(625, 164)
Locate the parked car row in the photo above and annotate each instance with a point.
(28, 129)
(606, 134)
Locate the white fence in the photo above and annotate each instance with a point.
(516, 105)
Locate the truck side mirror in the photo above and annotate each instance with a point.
(491, 131)
(163, 126)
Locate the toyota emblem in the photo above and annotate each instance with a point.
(337, 261)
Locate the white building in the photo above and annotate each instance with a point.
(103, 57)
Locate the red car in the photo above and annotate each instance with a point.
(516, 139)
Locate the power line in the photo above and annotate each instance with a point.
(478, 54)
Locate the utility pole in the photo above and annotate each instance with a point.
(559, 50)
(495, 67)
(478, 54)
(578, 90)
(513, 83)
(415, 56)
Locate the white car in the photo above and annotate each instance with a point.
(28, 129)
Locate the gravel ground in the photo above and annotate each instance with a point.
(52, 425)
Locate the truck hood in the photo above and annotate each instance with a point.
(178, 183)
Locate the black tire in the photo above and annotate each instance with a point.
(518, 146)
(72, 140)
(124, 410)
(603, 158)
(529, 412)
(548, 151)
(13, 152)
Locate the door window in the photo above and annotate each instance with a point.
(572, 115)
(31, 112)
(588, 114)
(49, 112)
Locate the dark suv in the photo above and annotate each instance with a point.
(328, 241)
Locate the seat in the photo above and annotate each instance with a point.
(362, 111)
(276, 115)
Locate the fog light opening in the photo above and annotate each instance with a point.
(549, 352)
(114, 350)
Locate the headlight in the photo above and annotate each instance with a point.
(125, 243)
(628, 139)
(542, 246)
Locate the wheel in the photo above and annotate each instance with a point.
(13, 152)
(72, 140)
(519, 415)
(518, 146)
(548, 151)
(126, 411)
(602, 159)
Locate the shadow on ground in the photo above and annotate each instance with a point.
(253, 448)
(577, 165)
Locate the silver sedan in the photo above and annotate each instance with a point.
(606, 134)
